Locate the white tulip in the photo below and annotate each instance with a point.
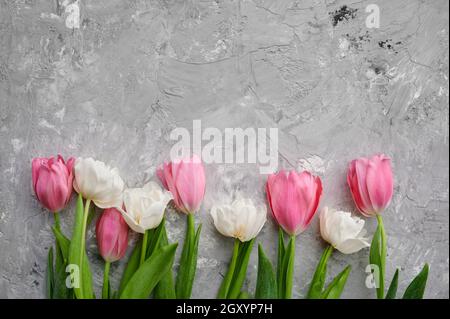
(343, 231)
(98, 182)
(144, 207)
(242, 219)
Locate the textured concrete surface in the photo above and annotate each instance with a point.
(115, 83)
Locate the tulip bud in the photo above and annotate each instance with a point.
(185, 179)
(371, 183)
(52, 181)
(112, 235)
(293, 199)
(98, 182)
(144, 207)
(241, 220)
(342, 231)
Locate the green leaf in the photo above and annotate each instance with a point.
(335, 288)
(288, 267)
(63, 242)
(188, 260)
(241, 269)
(377, 256)
(318, 281)
(155, 239)
(392, 291)
(60, 290)
(266, 283)
(132, 266)
(50, 276)
(416, 288)
(165, 289)
(226, 282)
(280, 271)
(243, 295)
(77, 253)
(142, 283)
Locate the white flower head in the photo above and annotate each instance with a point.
(343, 231)
(144, 207)
(98, 182)
(242, 219)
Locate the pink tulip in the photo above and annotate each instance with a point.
(112, 235)
(293, 199)
(52, 181)
(185, 179)
(371, 183)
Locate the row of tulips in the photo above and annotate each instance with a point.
(293, 199)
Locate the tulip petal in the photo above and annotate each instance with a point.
(352, 245)
(379, 182)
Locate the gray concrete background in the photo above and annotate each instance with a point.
(115, 87)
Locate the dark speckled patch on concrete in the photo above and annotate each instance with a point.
(113, 81)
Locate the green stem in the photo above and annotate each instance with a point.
(144, 247)
(105, 290)
(188, 260)
(289, 267)
(83, 234)
(57, 221)
(223, 292)
(380, 290)
(280, 271)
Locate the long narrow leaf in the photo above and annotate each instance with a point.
(60, 290)
(375, 259)
(50, 276)
(266, 283)
(416, 288)
(77, 255)
(280, 270)
(288, 266)
(155, 239)
(392, 291)
(226, 282)
(132, 266)
(165, 289)
(142, 283)
(241, 270)
(188, 261)
(318, 281)
(335, 288)
(63, 243)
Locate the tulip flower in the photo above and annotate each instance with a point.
(342, 231)
(101, 184)
(243, 221)
(293, 198)
(144, 210)
(52, 181)
(346, 234)
(371, 184)
(144, 207)
(112, 241)
(185, 179)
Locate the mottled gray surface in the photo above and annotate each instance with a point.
(134, 70)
